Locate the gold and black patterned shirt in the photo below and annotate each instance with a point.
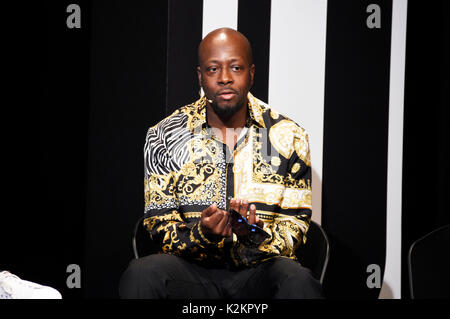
(187, 169)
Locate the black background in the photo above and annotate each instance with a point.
(426, 187)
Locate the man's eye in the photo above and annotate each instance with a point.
(212, 69)
(235, 68)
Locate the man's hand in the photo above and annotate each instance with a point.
(241, 206)
(215, 223)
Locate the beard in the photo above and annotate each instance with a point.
(227, 110)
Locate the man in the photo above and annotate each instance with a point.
(228, 150)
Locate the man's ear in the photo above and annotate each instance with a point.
(199, 75)
(252, 74)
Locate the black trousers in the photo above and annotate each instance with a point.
(171, 277)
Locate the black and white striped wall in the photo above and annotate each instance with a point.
(337, 69)
(366, 79)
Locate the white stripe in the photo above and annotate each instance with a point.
(391, 287)
(218, 14)
(297, 74)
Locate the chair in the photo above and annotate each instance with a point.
(142, 243)
(313, 255)
(429, 265)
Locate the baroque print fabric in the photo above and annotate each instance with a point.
(188, 168)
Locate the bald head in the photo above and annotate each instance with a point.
(221, 39)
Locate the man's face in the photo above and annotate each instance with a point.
(225, 74)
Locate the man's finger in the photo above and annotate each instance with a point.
(209, 220)
(222, 223)
(239, 205)
(259, 222)
(252, 214)
(215, 218)
(234, 204)
(210, 210)
(244, 208)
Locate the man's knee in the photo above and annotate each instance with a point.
(145, 273)
(290, 268)
(296, 281)
(156, 265)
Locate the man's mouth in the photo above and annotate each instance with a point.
(226, 94)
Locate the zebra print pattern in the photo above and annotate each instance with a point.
(166, 144)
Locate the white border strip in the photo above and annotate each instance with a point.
(391, 287)
(218, 14)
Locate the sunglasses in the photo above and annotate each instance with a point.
(248, 234)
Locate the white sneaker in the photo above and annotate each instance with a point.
(12, 287)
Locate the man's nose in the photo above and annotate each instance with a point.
(225, 77)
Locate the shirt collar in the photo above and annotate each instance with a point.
(198, 117)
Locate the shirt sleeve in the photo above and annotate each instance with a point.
(290, 225)
(167, 227)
